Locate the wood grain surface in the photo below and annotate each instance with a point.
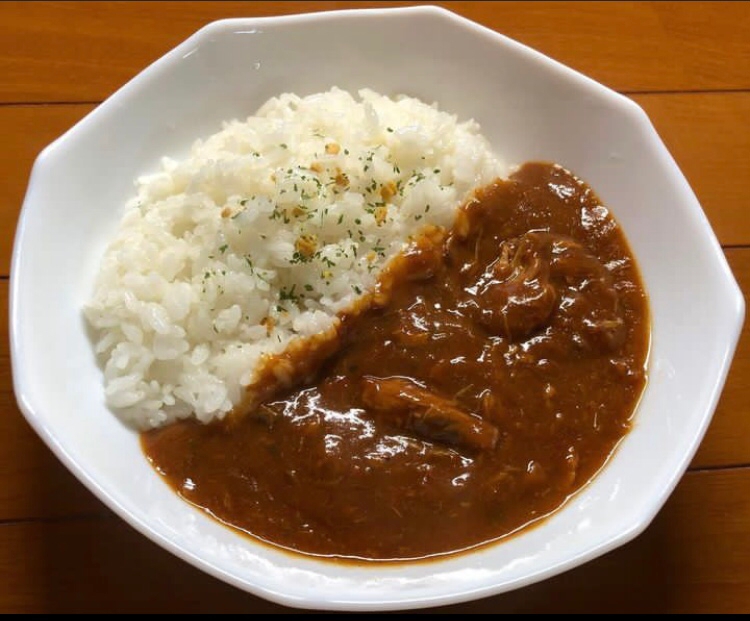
(686, 64)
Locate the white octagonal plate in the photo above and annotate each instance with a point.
(530, 108)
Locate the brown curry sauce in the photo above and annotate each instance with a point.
(494, 381)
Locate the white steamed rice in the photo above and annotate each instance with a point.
(267, 230)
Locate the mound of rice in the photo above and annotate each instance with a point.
(267, 230)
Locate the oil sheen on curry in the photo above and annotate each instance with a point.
(488, 380)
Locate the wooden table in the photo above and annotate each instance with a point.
(687, 64)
